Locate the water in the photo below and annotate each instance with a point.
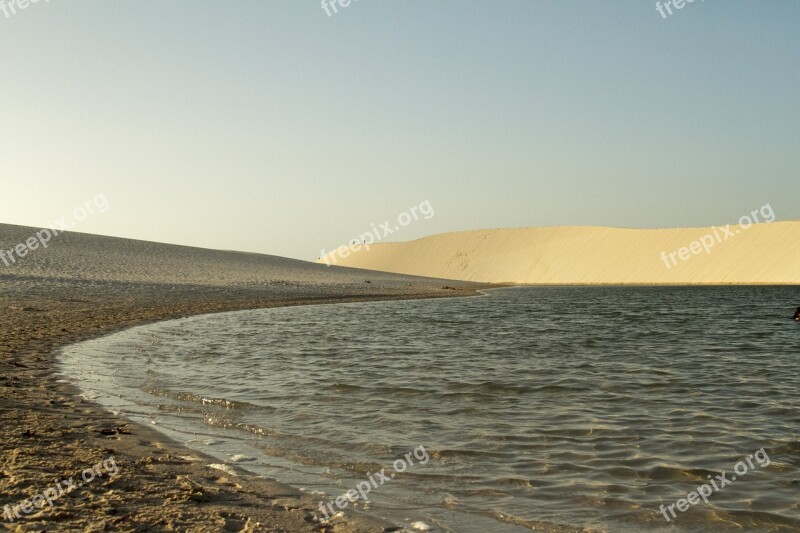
(549, 408)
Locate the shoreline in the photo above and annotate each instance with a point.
(48, 431)
(639, 285)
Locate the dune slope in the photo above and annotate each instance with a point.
(761, 253)
(96, 258)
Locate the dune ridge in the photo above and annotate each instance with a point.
(767, 253)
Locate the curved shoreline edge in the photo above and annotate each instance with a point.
(48, 431)
(356, 520)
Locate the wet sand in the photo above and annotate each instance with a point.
(85, 286)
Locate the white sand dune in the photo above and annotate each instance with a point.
(759, 254)
(96, 258)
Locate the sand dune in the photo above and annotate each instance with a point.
(761, 253)
(81, 256)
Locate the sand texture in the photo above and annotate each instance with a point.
(84, 286)
(761, 254)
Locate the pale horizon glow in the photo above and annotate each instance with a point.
(274, 128)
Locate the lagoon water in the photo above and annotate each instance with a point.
(540, 408)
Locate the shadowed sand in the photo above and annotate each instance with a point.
(83, 286)
(759, 254)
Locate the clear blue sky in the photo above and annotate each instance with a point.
(268, 126)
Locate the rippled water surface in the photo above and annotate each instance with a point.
(550, 408)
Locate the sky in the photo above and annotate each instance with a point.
(271, 127)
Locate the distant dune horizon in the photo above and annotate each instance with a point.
(765, 253)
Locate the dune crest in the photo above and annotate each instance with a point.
(767, 253)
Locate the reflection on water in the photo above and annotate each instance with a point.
(550, 408)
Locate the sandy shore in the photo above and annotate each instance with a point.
(766, 253)
(84, 286)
